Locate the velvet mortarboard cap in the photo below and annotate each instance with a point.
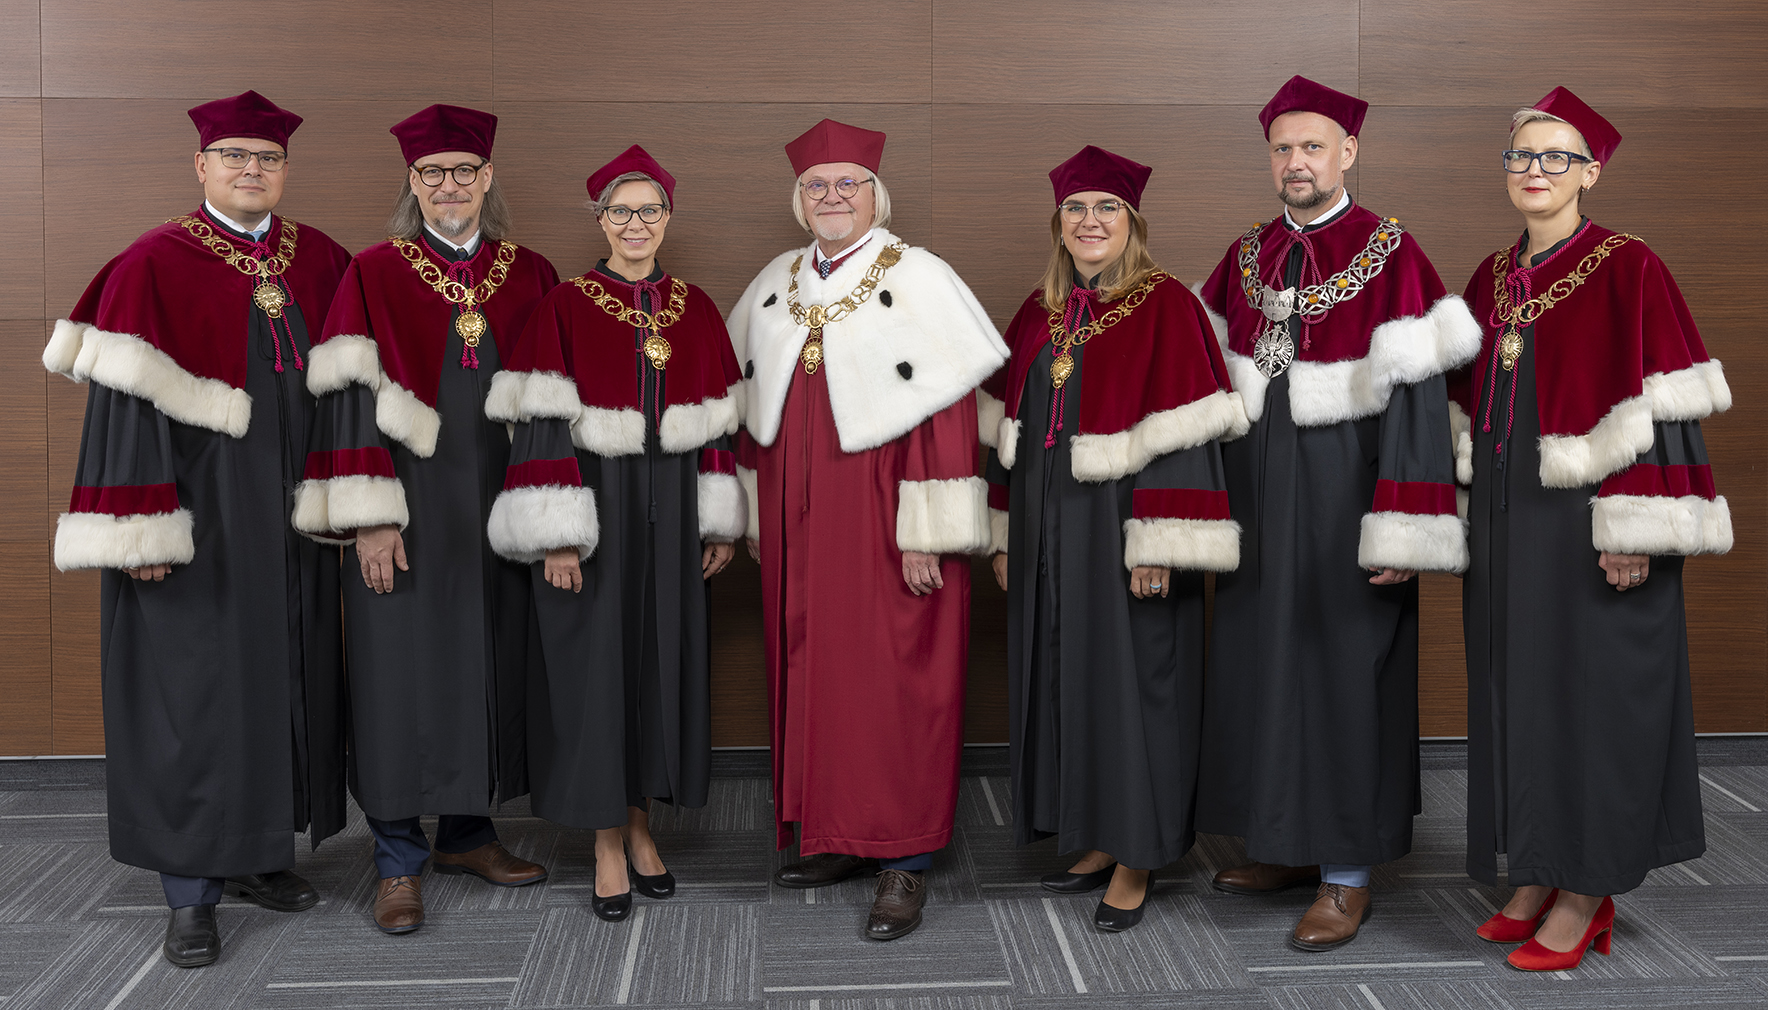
(633, 159)
(247, 115)
(445, 128)
(829, 141)
(1095, 168)
(1303, 95)
(1598, 132)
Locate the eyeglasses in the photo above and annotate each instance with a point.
(1552, 162)
(239, 157)
(817, 189)
(1105, 211)
(650, 213)
(432, 175)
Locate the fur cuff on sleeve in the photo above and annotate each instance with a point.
(942, 516)
(691, 425)
(1007, 442)
(990, 412)
(1691, 394)
(997, 531)
(1413, 543)
(1610, 447)
(352, 358)
(99, 540)
(751, 491)
(343, 504)
(1461, 437)
(1210, 545)
(526, 522)
(129, 364)
(724, 508)
(1096, 458)
(609, 432)
(1636, 524)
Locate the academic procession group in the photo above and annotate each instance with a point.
(531, 483)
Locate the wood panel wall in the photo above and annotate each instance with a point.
(980, 99)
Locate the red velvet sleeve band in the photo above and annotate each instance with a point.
(1180, 503)
(999, 495)
(718, 461)
(543, 473)
(373, 461)
(126, 499)
(1421, 498)
(1649, 480)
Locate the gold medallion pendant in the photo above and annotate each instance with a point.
(812, 356)
(657, 351)
(471, 326)
(1061, 367)
(270, 298)
(1510, 349)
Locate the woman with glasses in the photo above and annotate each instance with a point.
(1590, 485)
(1108, 505)
(622, 493)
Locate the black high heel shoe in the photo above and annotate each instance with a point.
(1065, 882)
(661, 885)
(1112, 919)
(611, 909)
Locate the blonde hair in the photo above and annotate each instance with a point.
(1524, 117)
(880, 204)
(1117, 280)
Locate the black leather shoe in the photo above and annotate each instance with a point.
(192, 939)
(280, 891)
(821, 870)
(1078, 883)
(611, 909)
(1112, 919)
(661, 885)
(896, 908)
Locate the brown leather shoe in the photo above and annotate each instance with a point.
(1333, 919)
(821, 870)
(399, 905)
(1265, 878)
(490, 862)
(896, 908)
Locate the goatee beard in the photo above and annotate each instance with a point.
(1315, 197)
(833, 231)
(453, 227)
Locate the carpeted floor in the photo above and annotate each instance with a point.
(78, 930)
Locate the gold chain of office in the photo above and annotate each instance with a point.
(470, 324)
(657, 350)
(1062, 360)
(816, 316)
(1518, 316)
(1274, 351)
(268, 295)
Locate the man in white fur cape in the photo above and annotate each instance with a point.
(862, 355)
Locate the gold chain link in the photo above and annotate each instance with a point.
(453, 291)
(669, 316)
(237, 258)
(816, 316)
(1525, 314)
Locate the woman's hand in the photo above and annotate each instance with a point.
(1000, 570)
(715, 557)
(1626, 571)
(379, 549)
(1146, 581)
(921, 572)
(157, 573)
(1391, 576)
(564, 569)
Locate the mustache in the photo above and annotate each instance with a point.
(1299, 177)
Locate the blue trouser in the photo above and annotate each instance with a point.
(182, 892)
(400, 847)
(918, 864)
(1344, 874)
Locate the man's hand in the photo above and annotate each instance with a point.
(1390, 576)
(1146, 581)
(715, 557)
(564, 569)
(921, 572)
(1000, 570)
(1626, 571)
(157, 573)
(378, 549)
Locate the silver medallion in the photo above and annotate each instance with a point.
(1274, 352)
(1277, 305)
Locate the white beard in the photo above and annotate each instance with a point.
(830, 231)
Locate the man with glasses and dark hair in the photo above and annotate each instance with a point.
(220, 659)
(1337, 333)
(862, 355)
(406, 464)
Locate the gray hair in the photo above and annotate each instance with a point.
(880, 204)
(600, 203)
(407, 219)
(1524, 117)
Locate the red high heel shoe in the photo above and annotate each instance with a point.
(1502, 928)
(1532, 956)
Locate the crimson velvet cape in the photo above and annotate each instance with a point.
(1120, 467)
(873, 454)
(1311, 707)
(439, 667)
(632, 466)
(223, 704)
(1581, 760)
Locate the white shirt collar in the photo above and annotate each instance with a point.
(1344, 200)
(863, 239)
(256, 231)
(470, 246)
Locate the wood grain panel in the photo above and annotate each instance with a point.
(21, 58)
(1611, 52)
(733, 51)
(21, 208)
(739, 665)
(78, 719)
(1442, 657)
(985, 692)
(26, 696)
(1140, 51)
(24, 451)
(195, 52)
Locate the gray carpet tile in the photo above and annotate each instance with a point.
(28, 951)
(966, 1001)
(708, 865)
(819, 951)
(99, 962)
(1054, 948)
(46, 882)
(1718, 751)
(1404, 938)
(52, 773)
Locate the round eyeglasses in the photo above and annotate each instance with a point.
(650, 213)
(1552, 162)
(817, 189)
(1104, 212)
(239, 157)
(432, 175)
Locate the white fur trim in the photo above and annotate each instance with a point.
(404, 418)
(1461, 438)
(339, 505)
(1461, 499)
(691, 425)
(1210, 545)
(1108, 457)
(401, 416)
(746, 477)
(990, 412)
(524, 396)
(1007, 451)
(997, 531)
(942, 516)
(100, 540)
(1639, 524)
(526, 522)
(1413, 543)
(129, 364)
(609, 432)
(724, 508)
(1401, 352)
(1690, 394)
(504, 401)
(1610, 447)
